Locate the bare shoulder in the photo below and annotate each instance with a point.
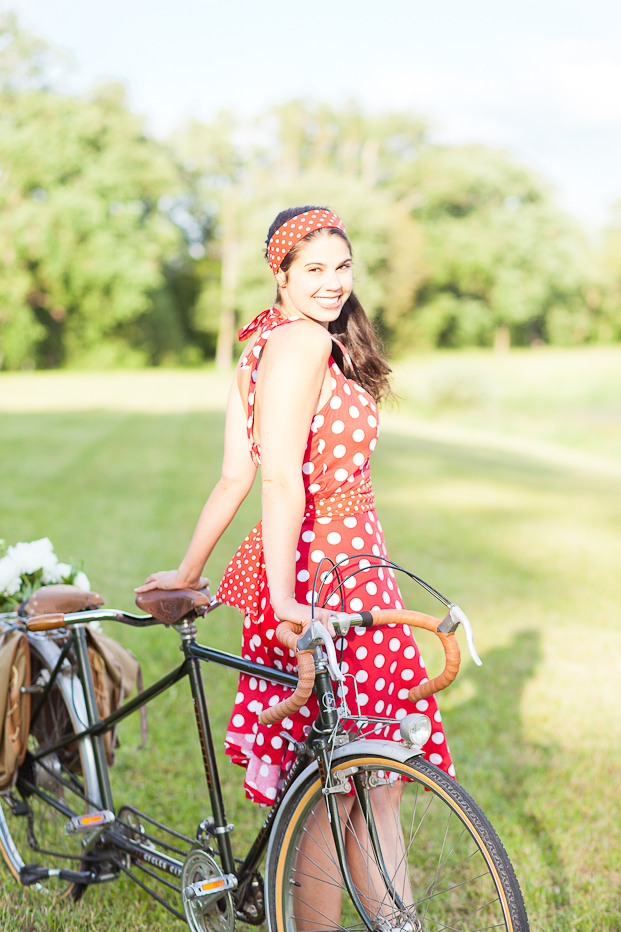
(303, 339)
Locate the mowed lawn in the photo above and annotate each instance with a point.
(527, 542)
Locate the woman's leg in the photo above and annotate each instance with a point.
(363, 864)
(318, 899)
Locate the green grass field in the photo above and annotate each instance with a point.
(497, 480)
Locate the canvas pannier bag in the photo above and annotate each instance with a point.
(14, 704)
(116, 672)
(114, 668)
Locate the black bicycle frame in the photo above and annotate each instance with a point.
(96, 728)
(317, 745)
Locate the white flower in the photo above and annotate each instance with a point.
(82, 581)
(56, 573)
(37, 555)
(24, 559)
(10, 579)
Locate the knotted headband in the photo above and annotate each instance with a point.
(291, 232)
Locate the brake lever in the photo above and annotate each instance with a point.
(456, 616)
(316, 635)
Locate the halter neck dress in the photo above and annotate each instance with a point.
(339, 521)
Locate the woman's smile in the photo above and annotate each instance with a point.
(329, 303)
(319, 280)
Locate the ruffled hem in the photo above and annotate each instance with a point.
(264, 780)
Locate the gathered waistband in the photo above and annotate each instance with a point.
(341, 504)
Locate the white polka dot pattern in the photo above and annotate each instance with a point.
(339, 520)
(291, 232)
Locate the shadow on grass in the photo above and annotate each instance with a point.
(497, 765)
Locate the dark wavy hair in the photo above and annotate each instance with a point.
(352, 327)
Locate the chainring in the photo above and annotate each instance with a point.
(213, 915)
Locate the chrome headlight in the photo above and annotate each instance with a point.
(415, 730)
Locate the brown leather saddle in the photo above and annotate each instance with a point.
(60, 598)
(170, 605)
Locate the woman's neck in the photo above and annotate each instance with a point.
(288, 310)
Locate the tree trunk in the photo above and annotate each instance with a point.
(502, 340)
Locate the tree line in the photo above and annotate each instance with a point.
(119, 249)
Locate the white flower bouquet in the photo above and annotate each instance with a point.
(28, 566)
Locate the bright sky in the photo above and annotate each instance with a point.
(540, 77)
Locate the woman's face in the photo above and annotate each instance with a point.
(319, 280)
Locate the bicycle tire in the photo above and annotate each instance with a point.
(29, 826)
(459, 876)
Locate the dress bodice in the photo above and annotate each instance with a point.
(342, 436)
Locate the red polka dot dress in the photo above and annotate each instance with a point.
(340, 522)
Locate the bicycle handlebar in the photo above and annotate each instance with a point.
(46, 622)
(288, 634)
(452, 656)
(303, 643)
(64, 620)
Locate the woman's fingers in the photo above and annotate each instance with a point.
(149, 584)
(169, 579)
(301, 614)
(164, 579)
(323, 615)
(146, 587)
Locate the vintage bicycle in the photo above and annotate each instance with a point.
(365, 834)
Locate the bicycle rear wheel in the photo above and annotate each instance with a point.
(422, 855)
(32, 829)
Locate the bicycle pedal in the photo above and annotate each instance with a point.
(87, 823)
(19, 808)
(32, 873)
(209, 887)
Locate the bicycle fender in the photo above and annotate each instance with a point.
(363, 746)
(374, 746)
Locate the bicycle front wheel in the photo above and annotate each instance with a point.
(422, 855)
(33, 813)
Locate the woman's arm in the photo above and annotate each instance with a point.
(238, 472)
(290, 378)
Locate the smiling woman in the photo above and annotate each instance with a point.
(323, 282)
(303, 406)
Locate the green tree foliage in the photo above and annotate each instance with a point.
(214, 168)
(116, 249)
(82, 243)
(607, 300)
(500, 256)
(299, 153)
(454, 245)
(316, 138)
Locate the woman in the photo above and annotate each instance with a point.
(303, 405)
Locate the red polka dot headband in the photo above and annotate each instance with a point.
(291, 232)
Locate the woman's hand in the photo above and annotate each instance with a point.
(171, 579)
(298, 613)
